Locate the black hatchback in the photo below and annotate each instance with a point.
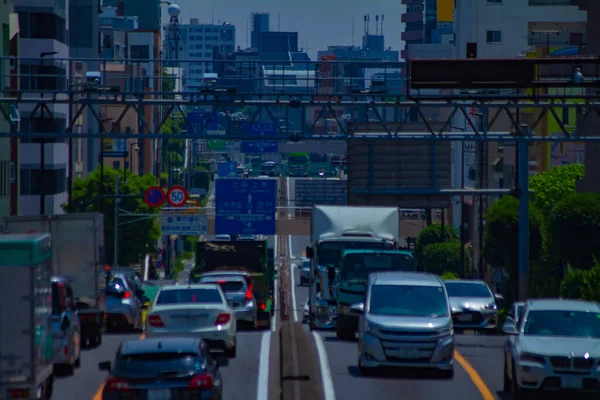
(163, 369)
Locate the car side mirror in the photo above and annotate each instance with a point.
(65, 323)
(104, 366)
(357, 309)
(145, 306)
(309, 252)
(509, 327)
(499, 300)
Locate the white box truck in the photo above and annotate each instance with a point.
(78, 254)
(333, 230)
(26, 342)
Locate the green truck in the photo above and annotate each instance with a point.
(298, 164)
(352, 277)
(251, 256)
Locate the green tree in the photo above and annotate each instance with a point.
(444, 257)
(167, 84)
(575, 229)
(580, 284)
(430, 235)
(136, 239)
(172, 149)
(449, 276)
(552, 186)
(501, 235)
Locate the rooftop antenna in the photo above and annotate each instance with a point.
(278, 22)
(368, 23)
(382, 18)
(248, 32)
(213, 13)
(365, 24)
(353, 31)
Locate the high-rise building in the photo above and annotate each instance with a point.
(199, 42)
(43, 48)
(5, 148)
(260, 23)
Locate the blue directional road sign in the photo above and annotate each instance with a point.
(227, 169)
(258, 129)
(245, 206)
(203, 120)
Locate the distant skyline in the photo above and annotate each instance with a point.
(319, 23)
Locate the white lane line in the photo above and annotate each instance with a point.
(290, 247)
(293, 279)
(328, 391)
(262, 392)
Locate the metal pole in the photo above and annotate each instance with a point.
(70, 156)
(41, 179)
(462, 211)
(523, 190)
(116, 233)
(101, 130)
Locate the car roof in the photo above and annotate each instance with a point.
(374, 251)
(405, 278)
(341, 238)
(467, 281)
(224, 273)
(196, 286)
(562, 305)
(158, 345)
(228, 278)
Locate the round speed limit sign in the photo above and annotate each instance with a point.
(177, 196)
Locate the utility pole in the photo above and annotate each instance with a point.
(116, 233)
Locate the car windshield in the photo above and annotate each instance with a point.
(463, 289)
(358, 266)
(330, 253)
(297, 160)
(115, 286)
(172, 364)
(563, 323)
(196, 296)
(228, 286)
(268, 167)
(408, 300)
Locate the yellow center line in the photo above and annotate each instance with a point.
(475, 378)
(98, 395)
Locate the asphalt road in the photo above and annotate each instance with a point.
(478, 374)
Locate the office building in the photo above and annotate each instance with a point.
(260, 23)
(199, 43)
(43, 47)
(427, 22)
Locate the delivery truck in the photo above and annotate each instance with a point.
(26, 342)
(335, 229)
(78, 254)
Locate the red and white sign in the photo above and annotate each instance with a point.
(177, 196)
(472, 111)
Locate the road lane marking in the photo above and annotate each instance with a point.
(293, 279)
(328, 392)
(262, 391)
(475, 378)
(276, 289)
(290, 247)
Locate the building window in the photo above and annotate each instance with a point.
(42, 26)
(54, 181)
(140, 52)
(13, 172)
(494, 37)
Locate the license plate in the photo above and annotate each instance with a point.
(159, 394)
(407, 354)
(572, 382)
(465, 318)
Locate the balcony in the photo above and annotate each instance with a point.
(412, 17)
(412, 36)
(30, 204)
(54, 154)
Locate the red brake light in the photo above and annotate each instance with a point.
(203, 381)
(221, 281)
(116, 385)
(263, 306)
(248, 295)
(223, 319)
(127, 295)
(250, 287)
(155, 321)
(19, 393)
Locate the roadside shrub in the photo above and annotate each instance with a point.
(430, 235)
(439, 258)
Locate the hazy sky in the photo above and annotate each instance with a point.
(319, 23)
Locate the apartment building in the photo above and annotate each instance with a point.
(43, 50)
(7, 170)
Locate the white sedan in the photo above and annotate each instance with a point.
(199, 311)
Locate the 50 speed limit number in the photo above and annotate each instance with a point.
(177, 196)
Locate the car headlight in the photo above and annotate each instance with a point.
(445, 332)
(490, 306)
(532, 358)
(372, 328)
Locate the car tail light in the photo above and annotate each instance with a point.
(221, 281)
(203, 381)
(127, 295)
(263, 306)
(249, 286)
(116, 385)
(155, 321)
(66, 351)
(222, 319)
(18, 393)
(248, 295)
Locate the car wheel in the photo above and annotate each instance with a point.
(516, 391)
(78, 362)
(447, 374)
(69, 369)
(231, 353)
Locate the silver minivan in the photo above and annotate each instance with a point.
(405, 321)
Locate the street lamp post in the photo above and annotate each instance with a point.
(132, 147)
(42, 140)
